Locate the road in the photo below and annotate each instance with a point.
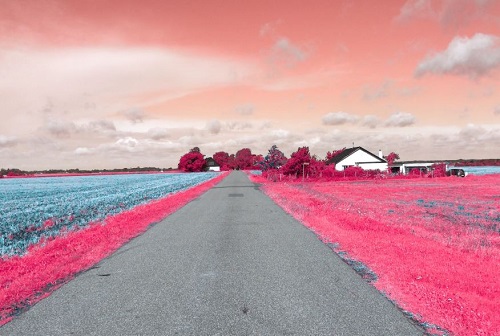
(228, 263)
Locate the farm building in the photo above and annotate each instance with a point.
(358, 157)
(405, 167)
(211, 164)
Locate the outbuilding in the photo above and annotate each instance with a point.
(211, 164)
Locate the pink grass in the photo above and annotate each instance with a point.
(433, 243)
(28, 279)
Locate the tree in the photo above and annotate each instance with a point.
(273, 160)
(439, 169)
(222, 159)
(391, 158)
(244, 159)
(298, 163)
(192, 162)
(334, 153)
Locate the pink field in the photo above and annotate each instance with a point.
(432, 244)
(28, 279)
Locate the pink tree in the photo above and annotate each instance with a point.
(330, 155)
(391, 158)
(193, 161)
(244, 158)
(298, 163)
(222, 159)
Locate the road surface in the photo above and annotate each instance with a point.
(229, 263)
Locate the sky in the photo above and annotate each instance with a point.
(96, 84)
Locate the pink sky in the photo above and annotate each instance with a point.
(108, 84)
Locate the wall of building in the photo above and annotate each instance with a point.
(360, 156)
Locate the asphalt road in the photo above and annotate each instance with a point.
(229, 263)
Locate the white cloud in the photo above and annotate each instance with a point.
(284, 55)
(416, 9)
(82, 151)
(283, 48)
(128, 144)
(400, 119)
(7, 141)
(214, 126)
(370, 121)
(135, 115)
(60, 128)
(279, 133)
(473, 57)
(377, 92)
(158, 133)
(339, 118)
(448, 13)
(237, 125)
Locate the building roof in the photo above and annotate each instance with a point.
(210, 162)
(348, 152)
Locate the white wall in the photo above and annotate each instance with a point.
(360, 156)
(216, 168)
(374, 166)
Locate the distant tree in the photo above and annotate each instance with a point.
(222, 159)
(391, 157)
(195, 150)
(273, 160)
(298, 163)
(334, 153)
(316, 167)
(244, 159)
(231, 162)
(192, 162)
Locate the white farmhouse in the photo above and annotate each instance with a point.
(358, 157)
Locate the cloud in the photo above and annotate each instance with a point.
(99, 126)
(339, 118)
(237, 125)
(135, 115)
(245, 109)
(158, 133)
(283, 48)
(416, 9)
(456, 13)
(214, 126)
(279, 134)
(472, 57)
(60, 128)
(284, 55)
(370, 121)
(7, 141)
(496, 110)
(400, 119)
(448, 13)
(82, 151)
(374, 93)
(473, 134)
(128, 144)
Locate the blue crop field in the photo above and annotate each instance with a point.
(32, 208)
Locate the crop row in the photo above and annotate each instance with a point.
(35, 209)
